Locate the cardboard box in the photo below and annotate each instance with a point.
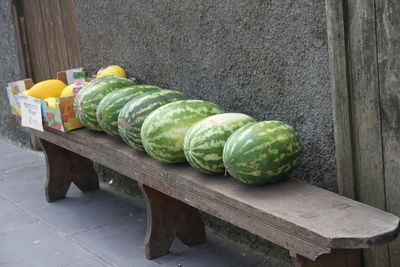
(59, 114)
(13, 91)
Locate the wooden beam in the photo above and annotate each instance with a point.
(337, 44)
(388, 41)
(54, 34)
(71, 33)
(366, 114)
(36, 39)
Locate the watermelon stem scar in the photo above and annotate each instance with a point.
(229, 166)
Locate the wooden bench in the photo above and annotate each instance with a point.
(318, 227)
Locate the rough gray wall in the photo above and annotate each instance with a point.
(268, 59)
(9, 71)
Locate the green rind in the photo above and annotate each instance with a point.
(88, 98)
(205, 140)
(163, 131)
(110, 106)
(134, 113)
(262, 152)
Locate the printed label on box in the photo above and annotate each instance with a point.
(75, 76)
(77, 88)
(13, 90)
(31, 112)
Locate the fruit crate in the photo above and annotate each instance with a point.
(59, 114)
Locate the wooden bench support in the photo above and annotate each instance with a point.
(65, 167)
(338, 257)
(167, 218)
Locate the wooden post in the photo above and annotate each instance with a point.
(65, 167)
(388, 45)
(364, 51)
(167, 218)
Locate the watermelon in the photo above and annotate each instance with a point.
(164, 129)
(110, 106)
(205, 140)
(133, 114)
(262, 152)
(88, 98)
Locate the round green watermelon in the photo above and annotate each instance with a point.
(164, 129)
(205, 140)
(134, 113)
(262, 152)
(110, 106)
(88, 98)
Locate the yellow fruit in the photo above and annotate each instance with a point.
(69, 90)
(51, 102)
(45, 89)
(111, 70)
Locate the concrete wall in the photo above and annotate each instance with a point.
(268, 59)
(9, 71)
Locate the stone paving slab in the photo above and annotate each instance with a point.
(91, 262)
(13, 156)
(100, 228)
(23, 183)
(35, 245)
(79, 211)
(12, 218)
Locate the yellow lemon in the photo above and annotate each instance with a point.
(45, 89)
(69, 90)
(52, 102)
(111, 70)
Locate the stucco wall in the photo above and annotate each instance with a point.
(9, 71)
(268, 59)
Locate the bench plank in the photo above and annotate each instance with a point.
(303, 218)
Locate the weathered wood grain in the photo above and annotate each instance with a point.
(49, 37)
(65, 167)
(370, 50)
(337, 44)
(71, 33)
(36, 37)
(388, 37)
(305, 219)
(366, 114)
(54, 33)
(19, 39)
(167, 218)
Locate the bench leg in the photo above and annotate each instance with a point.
(65, 167)
(338, 257)
(167, 218)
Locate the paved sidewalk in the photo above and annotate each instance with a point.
(94, 229)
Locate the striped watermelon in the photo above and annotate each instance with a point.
(109, 107)
(205, 140)
(87, 99)
(262, 152)
(164, 129)
(133, 114)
